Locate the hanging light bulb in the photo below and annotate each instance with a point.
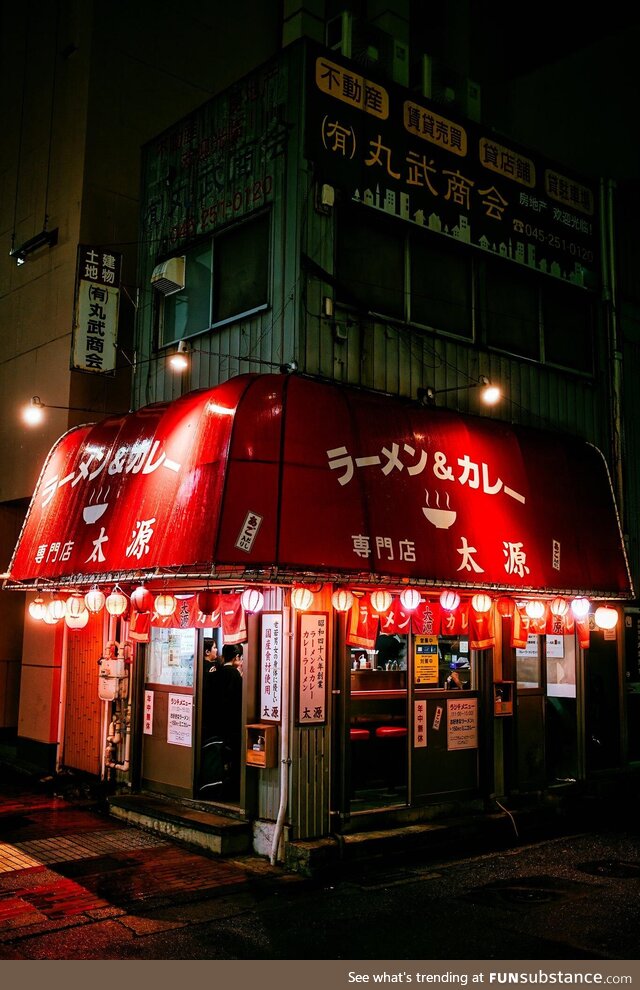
(410, 598)
(165, 604)
(481, 603)
(94, 599)
(37, 608)
(342, 600)
(116, 603)
(302, 599)
(252, 600)
(606, 617)
(77, 621)
(535, 609)
(580, 607)
(142, 599)
(75, 606)
(449, 600)
(559, 606)
(380, 600)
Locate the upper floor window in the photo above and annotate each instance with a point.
(226, 277)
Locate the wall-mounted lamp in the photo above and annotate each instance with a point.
(46, 238)
(179, 360)
(490, 394)
(33, 413)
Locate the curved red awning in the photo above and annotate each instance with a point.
(290, 476)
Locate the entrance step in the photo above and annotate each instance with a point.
(217, 834)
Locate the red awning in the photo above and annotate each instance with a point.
(271, 476)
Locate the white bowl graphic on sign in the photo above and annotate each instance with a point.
(91, 513)
(438, 517)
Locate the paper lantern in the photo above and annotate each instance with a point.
(481, 603)
(75, 606)
(165, 604)
(580, 607)
(606, 617)
(94, 600)
(48, 617)
(381, 600)
(302, 599)
(77, 621)
(56, 608)
(505, 607)
(410, 598)
(559, 606)
(252, 600)
(116, 603)
(342, 600)
(37, 608)
(535, 609)
(449, 600)
(207, 601)
(142, 599)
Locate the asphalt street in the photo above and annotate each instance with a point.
(75, 884)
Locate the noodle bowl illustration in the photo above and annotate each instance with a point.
(438, 517)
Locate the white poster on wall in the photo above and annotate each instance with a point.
(312, 651)
(180, 719)
(148, 713)
(271, 667)
(462, 723)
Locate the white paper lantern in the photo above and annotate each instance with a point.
(77, 621)
(94, 600)
(37, 608)
(49, 618)
(56, 609)
(116, 603)
(580, 607)
(342, 600)
(449, 600)
(75, 606)
(606, 617)
(559, 606)
(302, 599)
(481, 603)
(252, 600)
(410, 598)
(165, 604)
(380, 600)
(535, 608)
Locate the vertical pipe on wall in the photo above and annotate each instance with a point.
(285, 762)
(609, 294)
(62, 698)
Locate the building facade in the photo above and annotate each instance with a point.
(341, 263)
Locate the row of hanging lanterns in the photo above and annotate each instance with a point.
(76, 609)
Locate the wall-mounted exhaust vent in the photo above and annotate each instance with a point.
(168, 277)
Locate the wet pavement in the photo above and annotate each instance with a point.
(76, 884)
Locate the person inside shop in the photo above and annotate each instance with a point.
(226, 712)
(212, 660)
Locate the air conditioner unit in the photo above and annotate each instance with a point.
(168, 277)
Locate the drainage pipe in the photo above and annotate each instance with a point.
(285, 762)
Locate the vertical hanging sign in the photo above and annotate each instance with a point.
(271, 667)
(312, 688)
(95, 330)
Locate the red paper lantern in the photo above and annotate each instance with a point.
(142, 599)
(505, 607)
(207, 601)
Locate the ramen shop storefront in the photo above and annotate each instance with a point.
(401, 556)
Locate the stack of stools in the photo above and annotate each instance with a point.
(357, 737)
(393, 754)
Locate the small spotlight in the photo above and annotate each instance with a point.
(289, 368)
(179, 361)
(33, 414)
